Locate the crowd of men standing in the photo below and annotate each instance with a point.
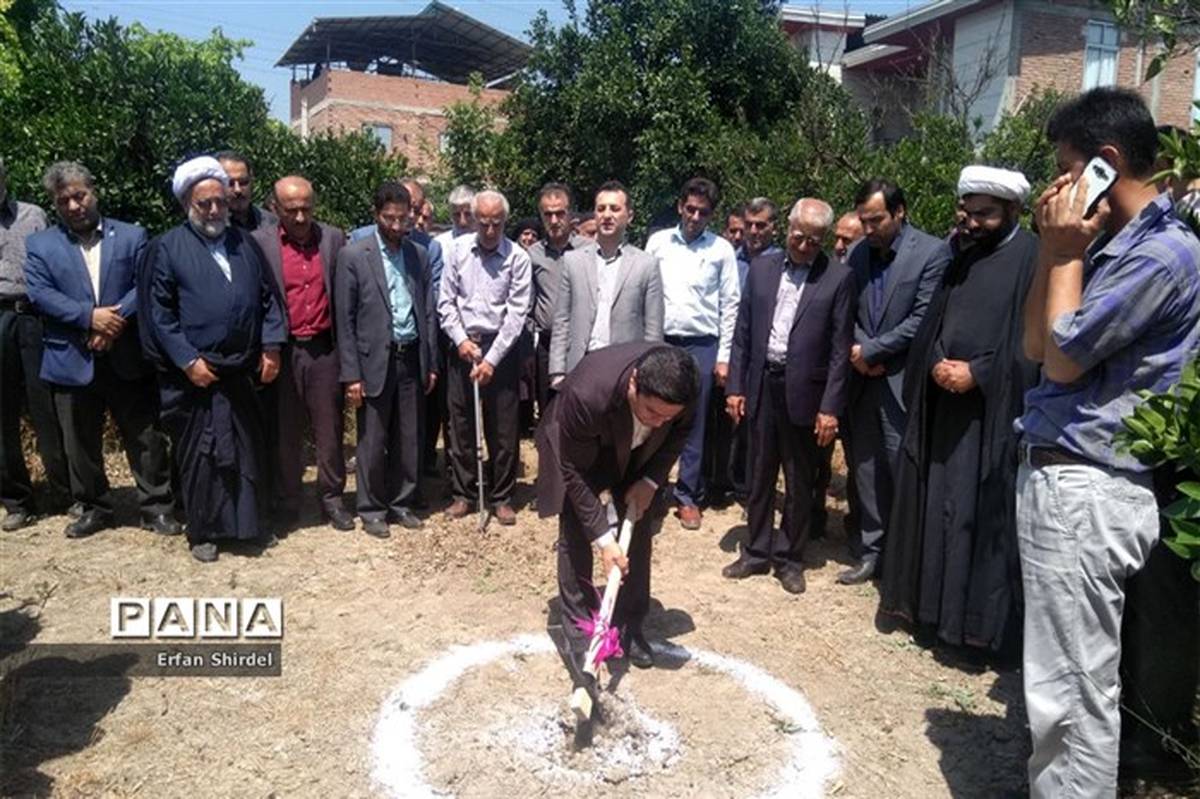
(976, 381)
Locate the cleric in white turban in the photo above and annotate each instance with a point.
(952, 532)
(214, 327)
(192, 171)
(1004, 184)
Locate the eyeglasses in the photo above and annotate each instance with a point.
(210, 204)
(801, 238)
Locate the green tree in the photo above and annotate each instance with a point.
(652, 92)
(1173, 23)
(130, 104)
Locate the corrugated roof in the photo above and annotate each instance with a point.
(440, 41)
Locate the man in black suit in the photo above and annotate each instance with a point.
(788, 378)
(301, 254)
(897, 268)
(617, 425)
(385, 336)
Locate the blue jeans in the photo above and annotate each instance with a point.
(689, 485)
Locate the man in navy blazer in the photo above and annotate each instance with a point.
(82, 277)
(386, 331)
(897, 268)
(789, 375)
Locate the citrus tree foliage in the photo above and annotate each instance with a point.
(1173, 23)
(130, 104)
(652, 93)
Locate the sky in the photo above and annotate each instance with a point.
(274, 24)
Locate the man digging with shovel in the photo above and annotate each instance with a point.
(616, 426)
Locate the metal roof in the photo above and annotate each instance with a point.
(440, 41)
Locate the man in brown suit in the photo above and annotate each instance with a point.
(618, 424)
(302, 254)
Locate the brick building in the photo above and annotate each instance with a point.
(984, 57)
(394, 76)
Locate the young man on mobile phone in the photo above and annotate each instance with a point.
(1114, 309)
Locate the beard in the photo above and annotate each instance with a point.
(209, 228)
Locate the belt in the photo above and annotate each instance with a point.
(323, 336)
(18, 304)
(400, 348)
(479, 338)
(776, 368)
(1041, 457)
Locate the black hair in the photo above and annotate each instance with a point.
(893, 195)
(1108, 116)
(701, 187)
(668, 373)
(738, 210)
(527, 223)
(553, 188)
(234, 155)
(392, 192)
(583, 216)
(614, 185)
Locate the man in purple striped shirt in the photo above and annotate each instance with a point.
(485, 296)
(1114, 309)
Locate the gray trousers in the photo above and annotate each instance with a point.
(876, 430)
(1082, 531)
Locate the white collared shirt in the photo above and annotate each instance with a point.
(90, 250)
(787, 300)
(606, 287)
(216, 247)
(700, 286)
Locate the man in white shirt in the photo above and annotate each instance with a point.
(700, 298)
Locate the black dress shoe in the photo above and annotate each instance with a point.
(16, 519)
(204, 551)
(89, 523)
(858, 574)
(743, 567)
(792, 580)
(376, 528)
(406, 519)
(638, 650)
(161, 523)
(76, 510)
(267, 540)
(339, 519)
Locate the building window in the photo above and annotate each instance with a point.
(1100, 55)
(381, 133)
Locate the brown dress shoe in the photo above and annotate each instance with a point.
(689, 517)
(506, 515)
(458, 509)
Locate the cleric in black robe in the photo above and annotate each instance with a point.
(951, 561)
(216, 325)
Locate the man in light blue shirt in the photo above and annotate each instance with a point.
(700, 297)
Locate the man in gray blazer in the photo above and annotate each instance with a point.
(386, 332)
(301, 254)
(897, 268)
(610, 291)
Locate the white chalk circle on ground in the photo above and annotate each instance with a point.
(398, 761)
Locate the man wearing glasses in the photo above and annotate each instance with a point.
(700, 298)
(485, 296)
(243, 213)
(788, 379)
(218, 323)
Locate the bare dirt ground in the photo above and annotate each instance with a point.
(362, 615)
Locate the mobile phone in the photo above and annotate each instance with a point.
(1100, 178)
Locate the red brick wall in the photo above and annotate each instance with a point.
(412, 107)
(1052, 55)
